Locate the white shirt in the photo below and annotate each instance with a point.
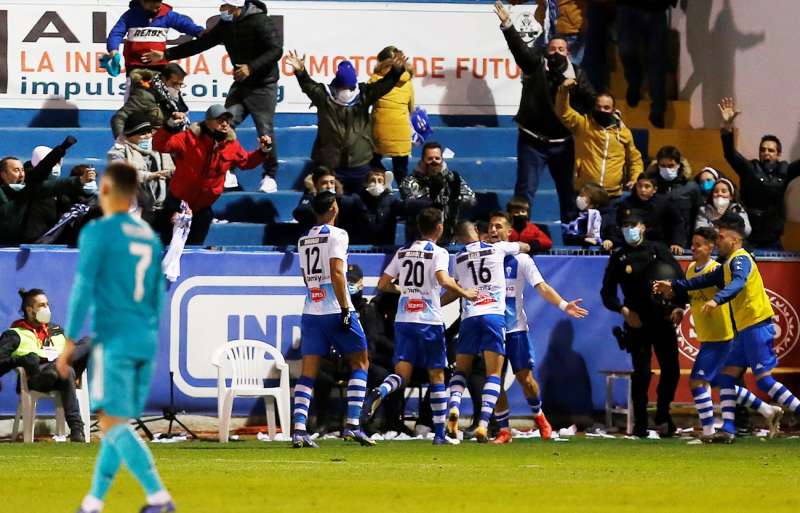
(315, 251)
(519, 270)
(480, 266)
(416, 266)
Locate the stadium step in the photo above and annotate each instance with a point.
(678, 114)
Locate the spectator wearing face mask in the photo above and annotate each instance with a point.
(706, 180)
(604, 150)
(763, 181)
(722, 200)
(522, 230)
(344, 137)
(543, 141)
(352, 211)
(154, 169)
(594, 218)
(380, 209)
(673, 177)
(156, 96)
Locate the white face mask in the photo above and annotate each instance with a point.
(146, 144)
(721, 203)
(346, 95)
(16, 186)
(668, 173)
(174, 92)
(56, 171)
(43, 315)
(376, 189)
(581, 203)
(331, 188)
(90, 187)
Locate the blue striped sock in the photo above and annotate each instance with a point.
(439, 408)
(137, 457)
(536, 405)
(778, 391)
(705, 408)
(457, 385)
(502, 418)
(727, 396)
(105, 468)
(390, 384)
(491, 392)
(303, 391)
(356, 391)
(747, 398)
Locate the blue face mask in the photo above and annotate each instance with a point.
(353, 289)
(632, 235)
(707, 186)
(146, 144)
(226, 16)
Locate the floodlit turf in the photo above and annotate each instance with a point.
(407, 477)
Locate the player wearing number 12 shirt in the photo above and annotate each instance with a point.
(483, 325)
(119, 280)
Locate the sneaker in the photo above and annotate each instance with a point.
(774, 421)
(371, 404)
(545, 430)
(503, 437)
(231, 181)
(167, 507)
(300, 440)
(445, 440)
(76, 435)
(481, 435)
(268, 185)
(356, 435)
(452, 423)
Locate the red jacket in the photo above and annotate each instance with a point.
(201, 163)
(532, 235)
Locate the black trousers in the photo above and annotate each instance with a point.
(47, 380)
(201, 222)
(654, 336)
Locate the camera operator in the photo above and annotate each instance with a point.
(649, 320)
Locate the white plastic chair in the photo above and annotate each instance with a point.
(245, 364)
(26, 408)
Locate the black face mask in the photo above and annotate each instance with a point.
(556, 64)
(218, 136)
(519, 222)
(604, 119)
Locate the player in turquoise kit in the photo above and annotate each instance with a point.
(119, 280)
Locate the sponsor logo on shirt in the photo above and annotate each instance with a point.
(415, 305)
(484, 299)
(317, 294)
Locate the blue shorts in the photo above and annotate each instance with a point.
(519, 351)
(710, 360)
(752, 348)
(482, 333)
(119, 383)
(321, 332)
(421, 345)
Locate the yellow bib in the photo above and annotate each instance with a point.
(716, 326)
(751, 304)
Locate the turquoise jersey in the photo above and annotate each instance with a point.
(119, 279)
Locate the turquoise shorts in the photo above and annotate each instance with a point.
(118, 383)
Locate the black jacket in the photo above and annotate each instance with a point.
(687, 198)
(351, 214)
(633, 269)
(663, 221)
(380, 343)
(762, 192)
(536, 107)
(377, 227)
(251, 39)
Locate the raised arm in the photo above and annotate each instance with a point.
(374, 91)
(314, 90)
(727, 109)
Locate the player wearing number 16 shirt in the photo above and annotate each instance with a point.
(329, 320)
(421, 271)
(483, 324)
(119, 280)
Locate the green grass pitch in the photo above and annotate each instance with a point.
(408, 477)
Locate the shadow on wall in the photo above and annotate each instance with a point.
(56, 112)
(566, 387)
(712, 49)
(478, 95)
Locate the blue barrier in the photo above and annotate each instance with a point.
(224, 295)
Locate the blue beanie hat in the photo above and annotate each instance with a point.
(346, 76)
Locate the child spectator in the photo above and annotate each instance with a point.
(587, 228)
(379, 210)
(522, 230)
(706, 180)
(723, 199)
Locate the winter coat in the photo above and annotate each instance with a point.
(762, 192)
(379, 222)
(662, 220)
(344, 135)
(605, 156)
(683, 192)
(143, 33)
(252, 39)
(146, 163)
(146, 99)
(391, 128)
(536, 107)
(533, 236)
(201, 162)
(708, 215)
(571, 17)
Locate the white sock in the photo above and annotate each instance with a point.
(91, 504)
(160, 497)
(708, 430)
(765, 409)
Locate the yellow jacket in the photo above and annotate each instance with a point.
(570, 17)
(391, 128)
(601, 154)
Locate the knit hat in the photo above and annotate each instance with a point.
(346, 76)
(138, 123)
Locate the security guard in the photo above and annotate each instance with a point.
(649, 320)
(34, 343)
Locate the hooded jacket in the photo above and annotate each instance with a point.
(145, 98)
(143, 33)
(391, 128)
(201, 162)
(606, 156)
(252, 38)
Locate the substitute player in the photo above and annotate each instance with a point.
(119, 279)
(521, 270)
(421, 271)
(483, 325)
(741, 286)
(329, 320)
